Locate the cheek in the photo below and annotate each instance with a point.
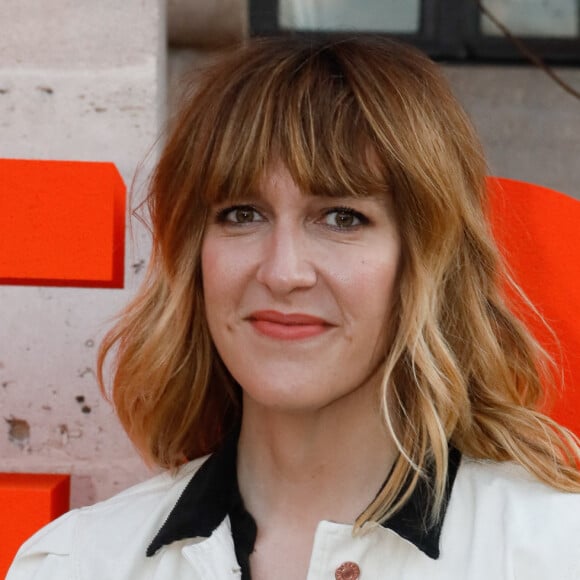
(368, 280)
(209, 269)
(376, 293)
(217, 264)
(212, 268)
(225, 268)
(226, 256)
(371, 288)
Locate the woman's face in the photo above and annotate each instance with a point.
(298, 291)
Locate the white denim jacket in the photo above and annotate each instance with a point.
(500, 524)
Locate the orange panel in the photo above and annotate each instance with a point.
(538, 231)
(28, 502)
(62, 223)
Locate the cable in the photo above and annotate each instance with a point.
(526, 52)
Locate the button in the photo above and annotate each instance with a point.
(347, 571)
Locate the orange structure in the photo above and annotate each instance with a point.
(538, 231)
(62, 223)
(28, 502)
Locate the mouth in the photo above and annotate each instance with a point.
(293, 326)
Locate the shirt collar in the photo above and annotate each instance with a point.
(213, 493)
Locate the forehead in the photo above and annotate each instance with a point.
(369, 180)
(277, 180)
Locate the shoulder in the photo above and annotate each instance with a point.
(153, 496)
(501, 509)
(510, 485)
(103, 528)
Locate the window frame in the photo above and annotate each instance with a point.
(448, 30)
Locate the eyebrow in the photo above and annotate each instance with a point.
(256, 192)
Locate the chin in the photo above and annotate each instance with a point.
(284, 400)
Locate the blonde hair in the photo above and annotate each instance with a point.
(460, 368)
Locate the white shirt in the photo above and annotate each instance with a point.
(500, 524)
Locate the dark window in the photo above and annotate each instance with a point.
(445, 29)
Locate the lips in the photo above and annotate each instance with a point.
(292, 326)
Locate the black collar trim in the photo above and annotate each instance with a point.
(411, 522)
(213, 493)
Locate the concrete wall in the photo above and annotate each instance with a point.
(86, 80)
(530, 127)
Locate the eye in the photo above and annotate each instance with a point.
(343, 218)
(240, 214)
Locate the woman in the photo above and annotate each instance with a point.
(322, 316)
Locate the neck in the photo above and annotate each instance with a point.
(304, 467)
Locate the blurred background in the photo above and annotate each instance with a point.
(95, 80)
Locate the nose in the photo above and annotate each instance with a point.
(287, 261)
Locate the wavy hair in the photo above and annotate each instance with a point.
(460, 368)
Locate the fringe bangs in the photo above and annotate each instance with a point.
(305, 116)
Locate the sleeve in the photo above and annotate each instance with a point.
(48, 554)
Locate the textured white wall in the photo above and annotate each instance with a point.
(530, 127)
(85, 81)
